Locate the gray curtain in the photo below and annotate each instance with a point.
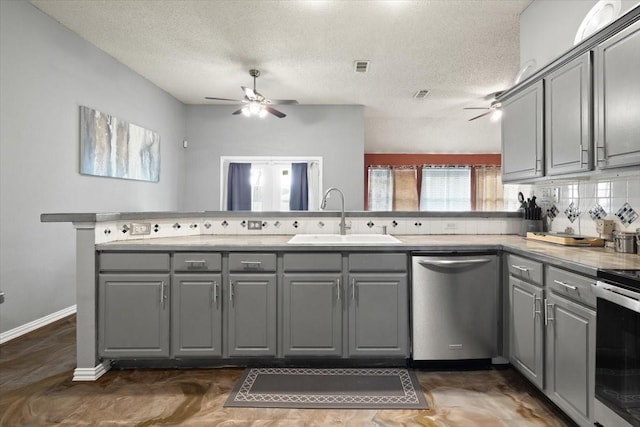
(299, 196)
(239, 187)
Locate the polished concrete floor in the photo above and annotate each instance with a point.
(36, 390)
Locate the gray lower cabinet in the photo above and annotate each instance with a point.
(196, 315)
(312, 314)
(252, 318)
(522, 134)
(134, 315)
(526, 338)
(378, 315)
(312, 304)
(570, 357)
(567, 100)
(617, 99)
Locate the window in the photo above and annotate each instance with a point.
(445, 189)
(270, 181)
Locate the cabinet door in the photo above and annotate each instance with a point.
(378, 315)
(133, 316)
(252, 315)
(522, 137)
(312, 314)
(196, 315)
(567, 112)
(570, 359)
(526, 324)
(617, 106)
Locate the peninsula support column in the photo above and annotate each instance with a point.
(88, 367)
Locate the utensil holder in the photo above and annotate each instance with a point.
(532, 225)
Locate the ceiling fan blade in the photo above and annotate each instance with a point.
(283, 101)
(275, 112)
(476, 108)
(248, 92)
(238, 111)
(481, 115)
(222, 99)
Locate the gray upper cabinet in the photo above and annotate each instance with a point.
(196, 310)
(567, 100)
(617, 99)
(526, 330)
(522, 134)
(312, 305)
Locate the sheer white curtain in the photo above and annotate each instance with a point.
(445, 189)
(489, 189)
(380, 196)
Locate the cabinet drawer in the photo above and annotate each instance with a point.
(525, 269)
(313, 262)
(126, 261)
(252, 262)
(571, 285)
(197, 261)
(378, 262)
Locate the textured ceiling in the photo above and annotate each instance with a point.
(461, 50)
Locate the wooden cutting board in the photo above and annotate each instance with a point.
(565, 239)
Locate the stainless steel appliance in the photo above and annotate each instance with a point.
(454, 305)
(618, 348)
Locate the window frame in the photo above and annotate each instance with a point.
(224, 168)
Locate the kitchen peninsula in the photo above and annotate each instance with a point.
(190, 233)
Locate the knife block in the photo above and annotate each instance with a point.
(532, 225)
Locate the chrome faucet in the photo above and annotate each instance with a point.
(343, 225)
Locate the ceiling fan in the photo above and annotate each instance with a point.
(494, 107)
(255, 103)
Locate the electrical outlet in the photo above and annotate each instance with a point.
(451, 226)
(254, 225)
(140, 228)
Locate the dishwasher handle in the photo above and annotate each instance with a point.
(450, 263)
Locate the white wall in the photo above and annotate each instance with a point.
(46, 73)
(548, 27)
(334, 132)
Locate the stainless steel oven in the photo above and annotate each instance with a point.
(618, 348)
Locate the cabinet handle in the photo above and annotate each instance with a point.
(517, 267)
(162, 294)
(231, 291)
(538, 162)
(338, 287)
(353, 289)
(215, 293)
(600, 148)
(193, 262)
(547, 319)
(535, 306)
(566, 285)
(582, 150)
(253, 265)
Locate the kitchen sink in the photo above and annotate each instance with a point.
(337, 239)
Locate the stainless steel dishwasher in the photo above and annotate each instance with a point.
(454, 305)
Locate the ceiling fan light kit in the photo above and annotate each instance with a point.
(255, 103)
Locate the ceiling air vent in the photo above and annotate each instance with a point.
(422, 93)
(361, 66)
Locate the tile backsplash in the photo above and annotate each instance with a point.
(580, 203)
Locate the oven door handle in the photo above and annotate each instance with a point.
(617, 295)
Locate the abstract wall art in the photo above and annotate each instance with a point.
(113, 147)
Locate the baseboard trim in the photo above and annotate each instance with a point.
(36, 324)
(91, 374)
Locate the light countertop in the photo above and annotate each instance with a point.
(581, 259)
